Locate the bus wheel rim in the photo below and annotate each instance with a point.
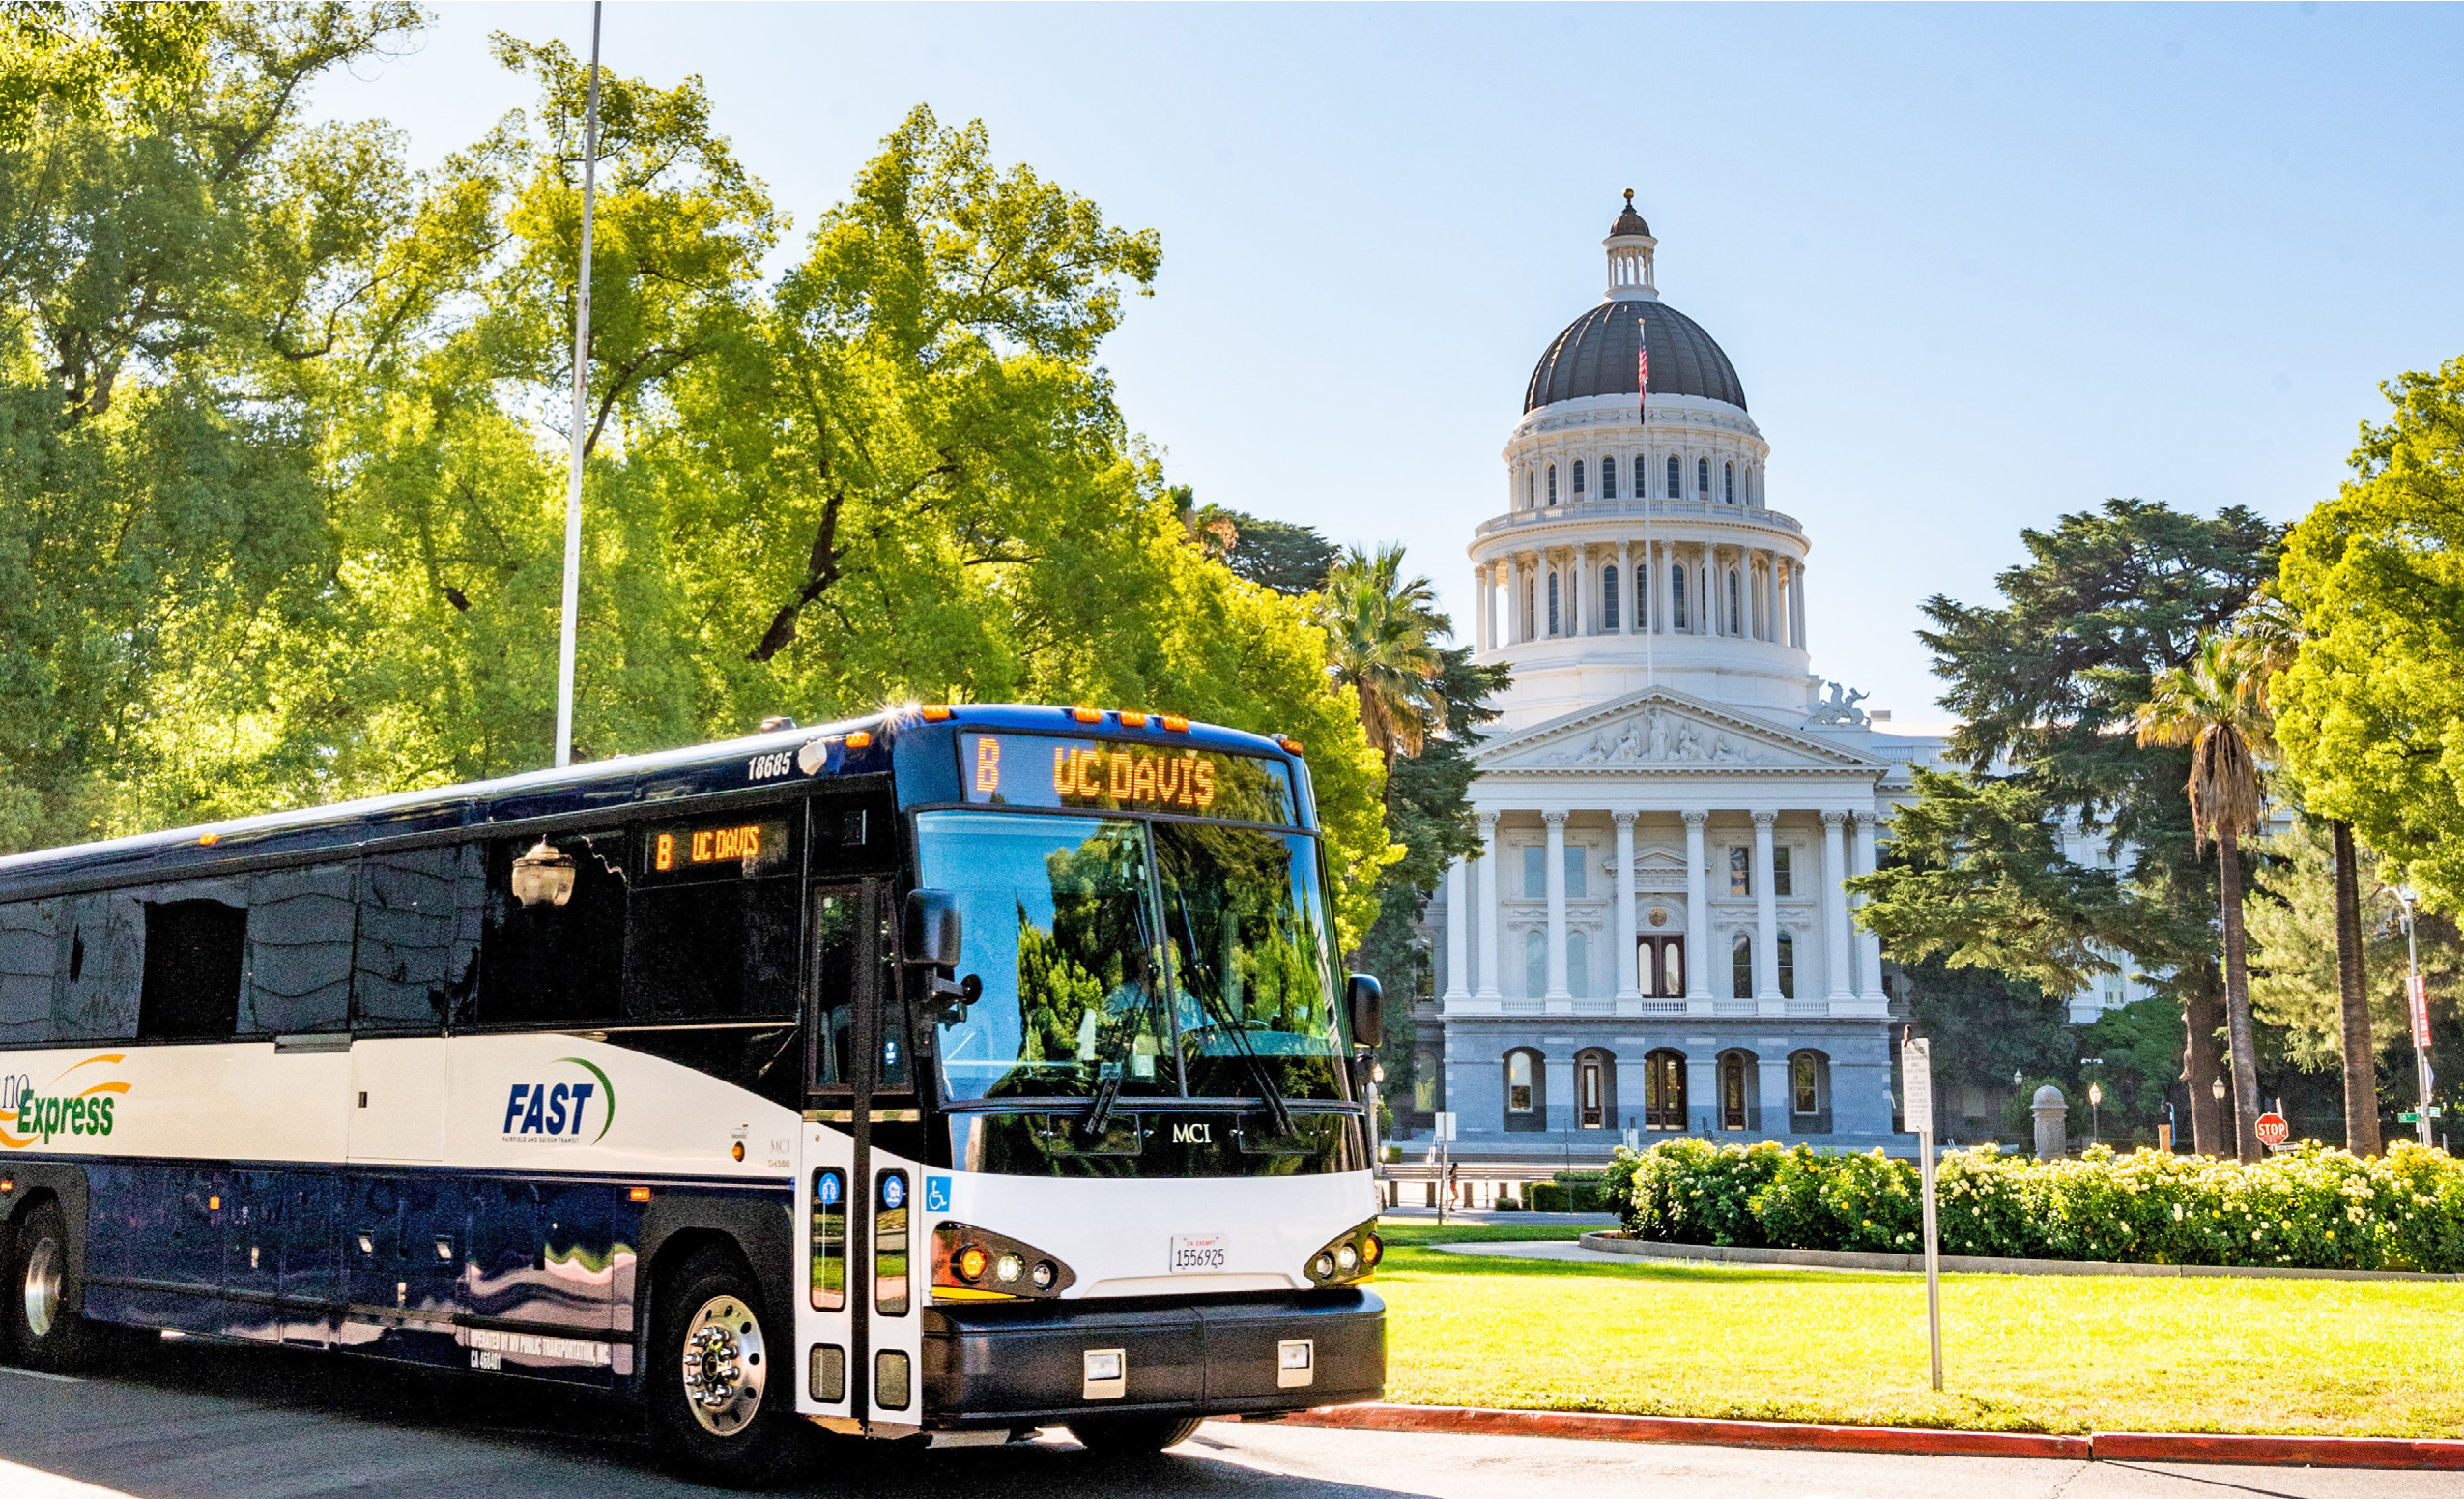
(42, 1288)
(725, 1366)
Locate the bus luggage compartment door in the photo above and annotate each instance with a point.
(397, 1099)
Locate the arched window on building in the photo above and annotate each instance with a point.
(1703, 479)
(1608, 585)
(1677, 598)
(1728, 484)
(1578, 965)
(1594, 1089)
(1787, 967)
(1740, 1091)
(1735, 595)
(1608, 479)
(1535, 963)
(1675, 487)
(1809, 1093)
(1551, 483)
(1526, 1090)
(1742, 967)
(1552, 603)
(1531, 492)
(1664, 1090)
(1578, 478)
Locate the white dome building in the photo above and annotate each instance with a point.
(1656, 940)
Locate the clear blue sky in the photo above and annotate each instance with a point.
(1977, 266)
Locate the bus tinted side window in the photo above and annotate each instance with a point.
(552, 965)
(30, 961)
(103, 968)
(419, 957)
(195, 942)
(300, 923)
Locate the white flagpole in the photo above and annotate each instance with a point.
(1650, 591)
(581, 405)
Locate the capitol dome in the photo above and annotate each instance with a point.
(1596, 356)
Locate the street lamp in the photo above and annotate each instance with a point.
(2417, 1003)
(2095, 1098)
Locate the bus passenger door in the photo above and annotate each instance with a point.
(844, 923)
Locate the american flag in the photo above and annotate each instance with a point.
(1642, 371)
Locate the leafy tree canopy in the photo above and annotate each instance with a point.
(1278, 554)
(2371, 712)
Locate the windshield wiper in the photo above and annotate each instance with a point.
(1225, 1020)
(1099, 1113)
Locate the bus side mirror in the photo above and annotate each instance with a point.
(933, 929)
(1366, 1002)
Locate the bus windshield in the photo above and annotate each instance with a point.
(1177, 959)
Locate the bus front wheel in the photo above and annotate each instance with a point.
(1133, 1434)
(722, 1391)
(44, 1333)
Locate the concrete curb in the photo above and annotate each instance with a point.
(1968, 1264)
(2318, 1452)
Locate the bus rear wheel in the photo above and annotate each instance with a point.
(1133, 1434)
(722, 1383)
(44, 1333)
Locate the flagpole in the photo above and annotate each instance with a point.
(581, 405)
(1650, 563)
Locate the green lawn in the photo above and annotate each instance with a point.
(2020, 1353)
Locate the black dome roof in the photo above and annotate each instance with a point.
(1596, 356)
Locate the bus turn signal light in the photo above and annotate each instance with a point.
(971, 1262)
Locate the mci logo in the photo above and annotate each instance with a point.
(560, 1110)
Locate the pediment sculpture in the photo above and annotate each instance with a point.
(1656, 737)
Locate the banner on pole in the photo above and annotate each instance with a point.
(2418, 990)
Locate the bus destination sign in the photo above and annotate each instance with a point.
(1033, 771)
(742, 846)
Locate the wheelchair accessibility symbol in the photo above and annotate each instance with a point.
(937, 1194)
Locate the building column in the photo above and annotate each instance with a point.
(1698, 913)
(1488, 907)
(1626, 986)
(1706, 604)
(1835, 922)
(1869, 947)
(1481, 614)
(1513, 599)
(1458, 920)
(1796, 587)
(1766, 916)
(1629, 597)
(1555, 869)
(1582, 586)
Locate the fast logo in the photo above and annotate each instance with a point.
(559, 1112)
(70, 1107)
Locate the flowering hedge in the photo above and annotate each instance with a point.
(2308, 1207)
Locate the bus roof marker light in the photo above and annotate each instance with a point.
(638, 1195)
(935, 713)
(544, 876)
(860, 739)
(1175, 723)
(208, 838)
(1291, 745)
(1087, 715)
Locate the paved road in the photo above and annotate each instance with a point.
(201, 1423)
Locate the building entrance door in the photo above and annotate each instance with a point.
(1660, 964)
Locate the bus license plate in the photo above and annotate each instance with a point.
(1198, 1251)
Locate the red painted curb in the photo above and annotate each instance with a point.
(1694, 1431)
(2315, 1452)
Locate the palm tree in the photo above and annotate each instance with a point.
(2270, 634)
(1382, 633)
(2213, 703)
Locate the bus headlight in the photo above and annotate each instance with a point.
(971, 1263)
(1350, 1258)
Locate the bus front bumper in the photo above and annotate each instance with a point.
(1020, 1363)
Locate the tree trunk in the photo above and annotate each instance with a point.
(2239, 1035)
(2202, 1014)
(2361, 1055)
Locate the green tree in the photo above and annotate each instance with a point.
(1278, 555)
(2212, 703)
(1382, 632)
(2371, 712)
(2047, 680)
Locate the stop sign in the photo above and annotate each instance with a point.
(2273, 1131)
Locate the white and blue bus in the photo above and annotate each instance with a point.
(950, 1073)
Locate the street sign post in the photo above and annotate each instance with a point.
(2272, 1130)
(1916, 1111)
